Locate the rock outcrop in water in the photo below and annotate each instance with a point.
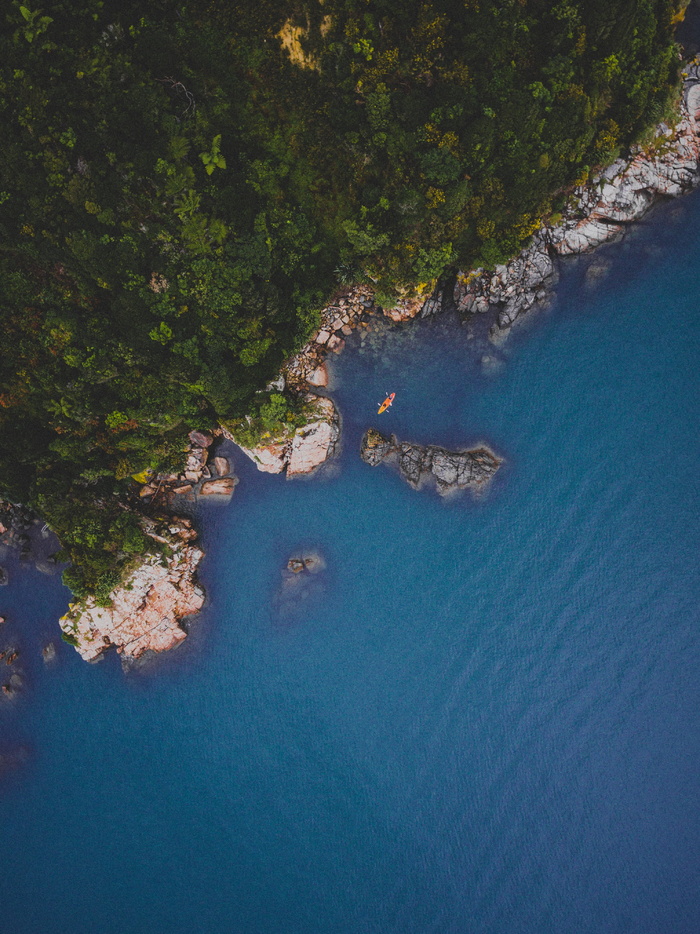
(596, 214)
(306, 448)
(302, 580)
(449, 470)
(146, 609)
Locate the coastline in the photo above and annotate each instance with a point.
(596, 213)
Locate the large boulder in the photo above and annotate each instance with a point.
(202, 439)
(221, 486)
(319, 376)
(221, 466)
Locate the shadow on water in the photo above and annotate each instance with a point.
(688, 31)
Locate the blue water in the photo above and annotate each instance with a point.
(482, 718)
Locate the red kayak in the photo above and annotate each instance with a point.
(386, 403)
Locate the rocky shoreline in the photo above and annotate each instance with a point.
(149, 605)
(596, 213)
(205, 473)
(305, 448)
(145, 611)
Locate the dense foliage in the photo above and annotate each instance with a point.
(181, 183)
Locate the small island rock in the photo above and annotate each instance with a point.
(450, 470)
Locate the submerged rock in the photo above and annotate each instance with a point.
(450, 470)
(301, 582)
(313, 562)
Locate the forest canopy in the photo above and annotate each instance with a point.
(182, 183)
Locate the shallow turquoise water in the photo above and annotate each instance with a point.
(483, 717)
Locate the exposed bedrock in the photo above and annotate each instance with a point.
(146, 610)
(306, 448)
(417, 464)
(596, 213)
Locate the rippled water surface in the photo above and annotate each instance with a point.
(483, 716)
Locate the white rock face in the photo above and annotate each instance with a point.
(313, 444)
(270, 458)
(309, 446)
(146, 609)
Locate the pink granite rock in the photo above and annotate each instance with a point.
(319, 376)
(201, 438)
(270, 458)
(146, 609)
(336, 344)
(405, 309)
